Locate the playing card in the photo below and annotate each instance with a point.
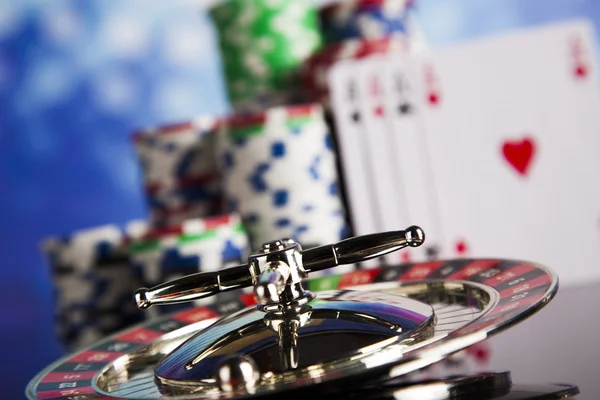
(411, 160)
(349, 122)
(512, 130)
(390, 206)
(345, 100)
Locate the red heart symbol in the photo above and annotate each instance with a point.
(581, 71)
(519, 154)
(378, 111)
(433, 98)
(461, 247)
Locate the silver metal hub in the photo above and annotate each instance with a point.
(445, 307)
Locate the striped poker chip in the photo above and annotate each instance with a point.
(179, 171)
(263, 43)
(93, 283)
(196, 245)
(279, 173)
(316, 68)
(363, 19)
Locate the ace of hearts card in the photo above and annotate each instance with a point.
(512, 126)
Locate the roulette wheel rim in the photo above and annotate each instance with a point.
(509, 310)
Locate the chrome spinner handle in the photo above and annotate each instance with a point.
(276, 270)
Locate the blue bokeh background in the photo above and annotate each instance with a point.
(77, 77)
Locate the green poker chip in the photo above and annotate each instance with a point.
(245, 132)
(149, 245)
(264, 44)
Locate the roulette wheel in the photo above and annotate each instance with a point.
(363, 334)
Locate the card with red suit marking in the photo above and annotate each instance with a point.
(411, 160)
(351, 138)
(390, 200)
(511, 125)
(579, 57)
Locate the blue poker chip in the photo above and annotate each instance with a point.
(364, 19)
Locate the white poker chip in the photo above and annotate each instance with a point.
(195, 245)
(93, 282)
(179, 170)
(279, 174)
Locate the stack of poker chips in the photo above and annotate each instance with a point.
(353, 30)
(263, 45)
(279, 174)
(93, 284)
(196, 245)
(278, 171)
(95, 272)
(277, 162)
(179, 171)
